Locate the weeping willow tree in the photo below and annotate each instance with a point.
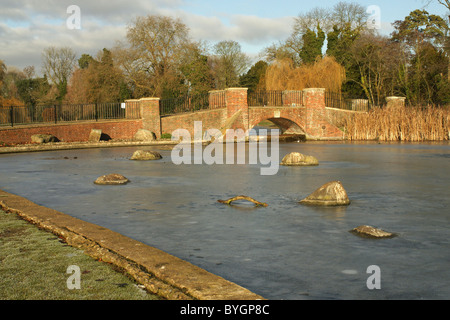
(325, 73)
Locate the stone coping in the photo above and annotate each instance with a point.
(54, 146)
(161, 273)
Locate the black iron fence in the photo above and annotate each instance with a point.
(275, 98)
(261, 98)
(293, 98)
(187, 103)
(15, 115)
(217, 99)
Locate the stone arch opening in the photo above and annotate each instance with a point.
(285, 126)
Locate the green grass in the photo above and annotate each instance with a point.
(166, 136)
(34, 263)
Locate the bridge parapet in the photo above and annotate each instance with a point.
(229, 109)
(293, 98)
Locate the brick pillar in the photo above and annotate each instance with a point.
(236, 100)
(314, 98)
(314, 101)
(151, 119)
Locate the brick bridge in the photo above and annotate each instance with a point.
(300, 112)
(295, 112)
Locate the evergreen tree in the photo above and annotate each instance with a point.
(312, 45)
(254, 78)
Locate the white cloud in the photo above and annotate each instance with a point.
(28, 26)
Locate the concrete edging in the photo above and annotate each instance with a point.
(54, 146)
(160, 272)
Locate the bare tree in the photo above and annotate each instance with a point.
(445, 3)
(230, 62)
(2, 71)
(342, 16)
(315, 21)
(378, 61)
(29, 72)
(349, 14)
(58, 64)
(311, 19)
(150, 58)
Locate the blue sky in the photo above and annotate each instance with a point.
(28, 26)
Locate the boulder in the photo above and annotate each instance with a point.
(371, 232)
(298, 159)
(330, 194)
(145, 155)
(95, 135)
(113, 178)
(144, 135)
(43, 138)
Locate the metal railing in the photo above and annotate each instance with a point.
(15, 115)
(275, 98)
(293, 98)
(265, 98)
(338, 101)
(217, 99)
(187, 103)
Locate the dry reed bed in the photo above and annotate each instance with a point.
(399, 124)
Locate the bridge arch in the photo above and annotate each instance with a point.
(286, 126)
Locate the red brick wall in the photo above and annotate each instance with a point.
(122, 129)
(211, 119)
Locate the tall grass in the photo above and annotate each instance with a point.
(399, 124)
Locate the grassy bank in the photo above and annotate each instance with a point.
(399, 124)
(34, 263)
